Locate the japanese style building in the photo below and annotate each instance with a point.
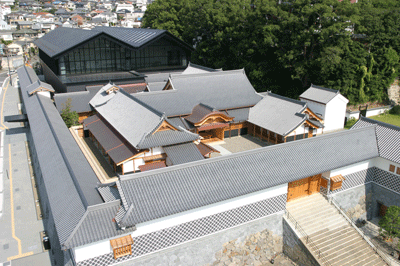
(188, 212)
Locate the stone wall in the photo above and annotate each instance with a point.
(394, 92)
(222, 245)
(385, 197)
(357, 202)
(295, 249)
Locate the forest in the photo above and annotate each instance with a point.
(285, 45)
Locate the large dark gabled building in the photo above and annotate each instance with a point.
(75, 58)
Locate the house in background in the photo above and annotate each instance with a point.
(329, 104)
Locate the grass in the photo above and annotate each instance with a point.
(386, 118)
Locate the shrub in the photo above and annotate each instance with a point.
(395, 110)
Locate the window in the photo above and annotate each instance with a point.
(391, 168)
(122, 246)
(398, 171)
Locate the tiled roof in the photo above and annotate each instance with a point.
(167, 137)
(112, 142)
(152, 166)
(62, 39)
(68, 178)
(129, 117)
(183, 153)
(79, 100)
(388, 137)
(184, 187)
(134, 88)
(319, 94)
(221, 90)
(278, 114)
(109, 193)
(196, 69)
(39, 86)
(97, 224)
(239, 115)
(200, 112)
(205, 149)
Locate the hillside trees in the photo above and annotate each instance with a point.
(286, 47)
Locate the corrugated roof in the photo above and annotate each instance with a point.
(278, 114)
(319, 94)
(388, 137)
(221, 90)
(183, 153)
(180, 188)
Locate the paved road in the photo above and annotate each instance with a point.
(19, 227)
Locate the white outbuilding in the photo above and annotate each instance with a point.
(327, 103)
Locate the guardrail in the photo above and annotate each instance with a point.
(377, 250)
(307, 239)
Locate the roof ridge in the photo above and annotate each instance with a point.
(206, 74)
(324, 88)
(244, 153)
(152, 109)
(286, 98)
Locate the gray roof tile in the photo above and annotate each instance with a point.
(239, 115)
(222, 90)
(183, 153)
(197, 69)
(79, 100)
(319, 94)
(109, 193)
(278, 114)
(388, 137)
(167, 137)
(180, 188)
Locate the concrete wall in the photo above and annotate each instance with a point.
(207, 250)
(295, 249)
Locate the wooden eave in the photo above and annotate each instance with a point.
(39, 90)
(310, 124)
(337, 178)
(214, 115)
(313, 114)
(168, 86)
(132, 157)
(165, 126)
(112, 89)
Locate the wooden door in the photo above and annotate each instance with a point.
(310, 132)
(315, 184)
(298, 188)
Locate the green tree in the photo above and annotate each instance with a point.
(390, 223)
(71, 118)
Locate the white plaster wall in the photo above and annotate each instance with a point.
(352, 168)
(146, 154)
(138, 162)
(128, 166)
(384, 164)
(44, 93)
(298, 131)
(103, 247)
(158, 150)
(92, 250)
(197, 213)
(335, 113)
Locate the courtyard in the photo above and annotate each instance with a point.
(237, 144)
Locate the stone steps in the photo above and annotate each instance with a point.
(339, 243)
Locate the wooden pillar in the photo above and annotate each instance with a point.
(122, 167)
(284, 140)
(276, 138)
(133, 161)
(268, 133)
(261, 133)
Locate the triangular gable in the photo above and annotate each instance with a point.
(39, 86)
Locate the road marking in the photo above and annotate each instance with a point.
(20, 255)
(2, 103)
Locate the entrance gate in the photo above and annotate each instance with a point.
(304, 187)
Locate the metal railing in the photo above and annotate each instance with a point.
(307, 239)
(376, 249)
